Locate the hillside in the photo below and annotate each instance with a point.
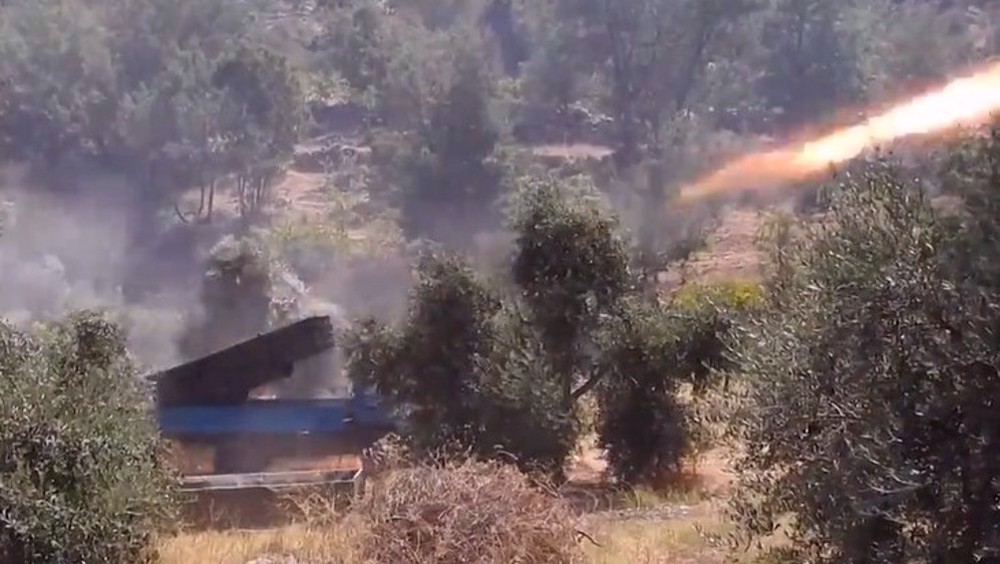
(179, 175)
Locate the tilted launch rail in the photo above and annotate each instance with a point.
(227, 377)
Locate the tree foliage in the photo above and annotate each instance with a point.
(654, 53)
(643, 427)
(571, 266)
(393, 64)
(463, 371)
(60, 84)
(870, 383)
(454, 179)
(821, 46)
(525, 400)
(170, 94)
(82, 477)
(431, 365)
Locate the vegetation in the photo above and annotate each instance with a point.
(488, 186)
(475, 511)
(501, 371)
(82, 477)
(883, 370)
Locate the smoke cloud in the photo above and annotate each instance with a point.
(61, 252)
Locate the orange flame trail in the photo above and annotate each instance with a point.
(965, 101)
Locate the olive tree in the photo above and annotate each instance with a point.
(867, 418)
(82, 473)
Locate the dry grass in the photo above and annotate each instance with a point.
(469, 512)
(685, 540)
(633, 541)
(327, 545)
(679, 541)
(696, 502)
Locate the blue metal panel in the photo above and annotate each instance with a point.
(273, 416)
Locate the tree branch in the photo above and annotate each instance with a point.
(591, 382)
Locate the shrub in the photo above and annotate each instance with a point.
(643, 427)
(704, 315)
(733, 294)
(469, 512)
(82, 477)
(524, 412)
(429, 367)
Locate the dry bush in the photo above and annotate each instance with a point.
(469, 512)
(387, 454)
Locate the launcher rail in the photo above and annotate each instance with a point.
(227, 377)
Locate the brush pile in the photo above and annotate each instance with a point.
(466, 512)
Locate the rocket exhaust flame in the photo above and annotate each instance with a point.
(966, 101)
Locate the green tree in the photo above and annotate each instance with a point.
(172, 132)
(925, 44)
(170, 94)
(524, 407)
(500, 371)
(263, 112)
(455, 180)
(571, 267)
(553, 78)
(430, 367)
(393, 64)
(642, 426)
(153, 37)
(59, 86)
(818, 55)
(466, 372)
(169, 132)
(654, 53)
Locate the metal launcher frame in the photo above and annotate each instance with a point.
(263, 447)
